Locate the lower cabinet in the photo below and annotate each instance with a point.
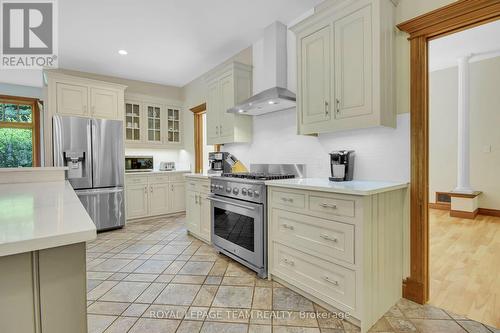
(345, 252)
(154, 194)
(198, 212)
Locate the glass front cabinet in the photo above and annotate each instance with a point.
(150, 124)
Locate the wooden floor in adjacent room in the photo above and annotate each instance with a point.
(465, 265)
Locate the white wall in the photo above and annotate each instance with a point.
(381, 153)
(484, 131)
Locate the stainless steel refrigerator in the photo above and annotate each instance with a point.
(92, 149)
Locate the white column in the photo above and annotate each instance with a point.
(463, 156)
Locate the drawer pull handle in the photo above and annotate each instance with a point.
(288, 261)
(328, 279)
(325, 205)
(333, 239)
(286, 226)
(287, 199)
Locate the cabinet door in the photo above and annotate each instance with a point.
(213, 113)
(104, 103)
(353, 64)
(177, 197)
(153, 123)
(226, 123)
(315, 67)
(192, 212)
(72, 99)
(136, 201)
(173, 126)
(158, 199)
(205, 218)
(133, 121)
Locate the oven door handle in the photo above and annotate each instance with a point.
(211, 198)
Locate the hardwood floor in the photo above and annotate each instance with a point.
(465, 265)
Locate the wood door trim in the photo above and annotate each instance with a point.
(198, 136)
(452, 18)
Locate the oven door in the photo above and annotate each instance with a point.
(238, 228)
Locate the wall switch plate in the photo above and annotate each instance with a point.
(487, 149)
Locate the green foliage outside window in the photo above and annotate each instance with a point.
(16, 147)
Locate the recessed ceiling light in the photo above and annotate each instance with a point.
(241, 111)
(273, 102)
(122, 52)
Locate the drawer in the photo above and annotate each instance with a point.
(313, 235)
(290, 199)
(176, 177)
(329, 205)
(329, 282)
(136, 180)
(158, 179)
(204, 186)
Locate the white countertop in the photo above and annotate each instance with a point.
(155, 172)
(203, 175)
(35, 216)
(355, 187)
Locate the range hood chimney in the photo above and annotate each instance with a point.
(273, 77)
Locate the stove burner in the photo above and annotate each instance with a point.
(258, 176)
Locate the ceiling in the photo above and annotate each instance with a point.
(168, 41)
(481, 42)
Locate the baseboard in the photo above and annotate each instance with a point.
(489, 212)
(464, 215)
(414, 291)
(440, 206)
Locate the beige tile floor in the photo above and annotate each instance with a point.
(151, 277)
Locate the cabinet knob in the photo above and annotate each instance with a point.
(326, 108)
(338, 105)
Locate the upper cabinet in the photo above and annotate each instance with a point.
(151, 122)
(226, 88)
(76, 96)
(345, 63)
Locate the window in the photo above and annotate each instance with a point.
(19, 132)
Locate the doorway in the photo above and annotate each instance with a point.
(458, 16)
(200, 136)
(464, 183)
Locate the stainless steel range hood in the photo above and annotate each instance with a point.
(270, 72)
(269, 100)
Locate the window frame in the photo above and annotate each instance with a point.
(34, 126)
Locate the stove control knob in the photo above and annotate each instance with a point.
(244, 191)
(213, 186)
(236, 190)
(228, 189)
(256, 193)
(250, 192)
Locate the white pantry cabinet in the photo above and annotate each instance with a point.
(226, 88)
(153, 194)
(345, 64)
(198, 208)
(343, 251)
(152, 122)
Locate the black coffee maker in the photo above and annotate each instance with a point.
(219, 162)
(342, 165)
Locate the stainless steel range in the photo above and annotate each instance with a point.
(239, 213)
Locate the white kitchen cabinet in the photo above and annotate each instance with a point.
(226, 88)
(152, 123)
(198, 208)
(159, 195)
(104, 104)
(345, 64)
(71, 99)
(316, 84)
(136, 198)
(154, 194)
(343, 251)
(177, 202)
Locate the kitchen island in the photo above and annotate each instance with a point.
(43, 230)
